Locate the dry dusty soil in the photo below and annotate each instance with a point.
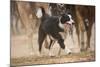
(79, 57)
(24, 51)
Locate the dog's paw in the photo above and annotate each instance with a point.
(67, 51)
(64, 52)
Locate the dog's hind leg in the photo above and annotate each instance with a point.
(51, 43)
(41, 37)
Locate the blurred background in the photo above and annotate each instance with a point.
(24, 29)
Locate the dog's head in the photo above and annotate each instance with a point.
(66, 21)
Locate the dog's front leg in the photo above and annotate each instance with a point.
(60, 40)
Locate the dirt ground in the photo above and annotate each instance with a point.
(31, 60)
(24, 51)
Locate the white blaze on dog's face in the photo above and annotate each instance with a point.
(71, 20)
(39, 13)
(66, 21)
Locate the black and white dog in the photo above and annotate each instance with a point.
(52, 26)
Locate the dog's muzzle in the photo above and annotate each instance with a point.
(69, 23)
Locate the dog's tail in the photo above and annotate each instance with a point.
(40, 12)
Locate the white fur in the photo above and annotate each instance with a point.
(71, 20)
(69, 16)
(61, 25)
(67, 50)
(39, 13)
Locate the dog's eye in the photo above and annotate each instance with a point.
(67, 19)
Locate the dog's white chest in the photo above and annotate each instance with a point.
(61, 25)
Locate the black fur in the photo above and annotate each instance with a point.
(50, 26)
